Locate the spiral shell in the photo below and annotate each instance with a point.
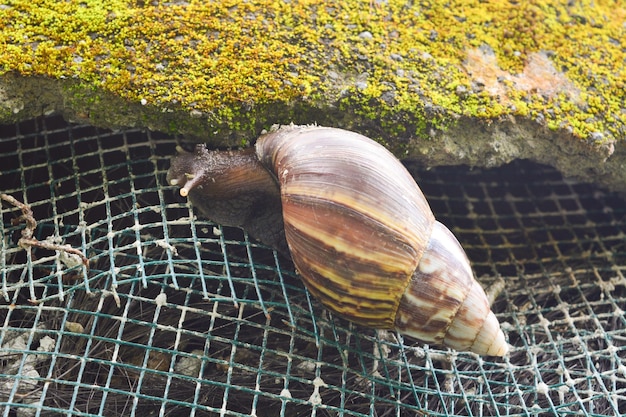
(366, 243)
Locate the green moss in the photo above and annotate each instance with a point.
(400, 68)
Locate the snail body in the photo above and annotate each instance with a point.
(357, 226)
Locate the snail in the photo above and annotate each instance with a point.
(357, 226)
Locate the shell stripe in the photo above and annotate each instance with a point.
(350, 230)
(344, 261)
(439, 288)
(359, 295)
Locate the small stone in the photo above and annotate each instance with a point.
(596, 136)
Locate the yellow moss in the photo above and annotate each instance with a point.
(393, 60)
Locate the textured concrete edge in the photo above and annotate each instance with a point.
(504, 141)
(479, 83)
(401, 68)
(23, 98)
(466, 141)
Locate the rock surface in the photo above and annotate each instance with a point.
(478, 83)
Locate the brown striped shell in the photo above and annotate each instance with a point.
(366, 243)
(357, 227)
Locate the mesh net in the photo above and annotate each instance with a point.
(177, 316)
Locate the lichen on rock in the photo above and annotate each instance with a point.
(413, 75)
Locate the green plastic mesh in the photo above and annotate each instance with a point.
(177, 316)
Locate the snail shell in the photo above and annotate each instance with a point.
(358, 229)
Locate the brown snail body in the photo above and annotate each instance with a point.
(357, 227)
